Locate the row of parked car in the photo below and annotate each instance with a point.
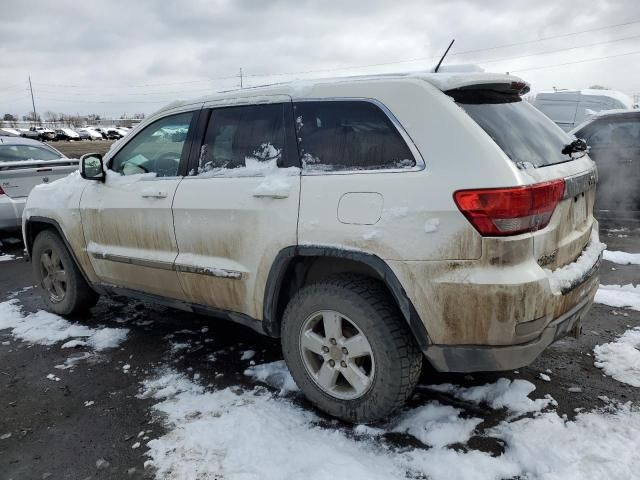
(68, 134)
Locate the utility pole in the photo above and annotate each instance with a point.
(240, 77)
(33, 102)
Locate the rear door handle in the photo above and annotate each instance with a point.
(271, 195)
(154, 194)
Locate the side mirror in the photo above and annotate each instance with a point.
(91, 167)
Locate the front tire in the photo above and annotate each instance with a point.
(64, 290)
(349, 350)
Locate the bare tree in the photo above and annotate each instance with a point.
(30, 117)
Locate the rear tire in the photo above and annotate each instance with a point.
(348, 348)
(62, 286)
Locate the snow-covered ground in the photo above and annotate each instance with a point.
(622, 258)
(237, 433)
(260, 428)
(621, 296)
(621, 359)
(44, 328)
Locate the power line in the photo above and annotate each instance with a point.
(58, 99)
(226, 77)
(465, 52)
(578, 61)
(351, 67)
(547, 52)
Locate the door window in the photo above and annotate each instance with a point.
(156, 149)
(249, 140)
(612, 132)
(348, 135)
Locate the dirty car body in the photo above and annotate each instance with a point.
(447, 191)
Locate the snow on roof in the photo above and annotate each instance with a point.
(615, 111)
(448, 77)
(621, 97)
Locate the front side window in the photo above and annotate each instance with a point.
(18, 153)
(247, 139)
(348, 135)
(156, 149)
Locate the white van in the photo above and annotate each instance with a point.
(569, 108)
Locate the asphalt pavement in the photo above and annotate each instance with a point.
(57, 433)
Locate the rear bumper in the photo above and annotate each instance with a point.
(11, 212)
(482, 358)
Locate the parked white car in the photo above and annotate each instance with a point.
(369, 222)
(569, 108)
(89, 134)
(10, 132)
(25, 163)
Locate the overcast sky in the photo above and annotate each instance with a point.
(114, 57)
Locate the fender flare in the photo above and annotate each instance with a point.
(28, 243)
(288, 254)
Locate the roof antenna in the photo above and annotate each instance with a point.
(445, 54)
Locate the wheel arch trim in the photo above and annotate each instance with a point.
(29, 239)
(280, 265)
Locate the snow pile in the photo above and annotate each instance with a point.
(623, 258)
(263, 163)
(247, 355)
(274, 374)
(431, 225)
(44, 328)
(250, 435)
(237, 434)
(437, 425)
(6, 257)
(61, 191)
(621, 359)
(565, 277)
(396, 212)
(505, 393)
(620, 296)
(115, 179)
(371, 235)
(596, 445)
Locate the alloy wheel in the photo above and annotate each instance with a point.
(337, 355)
(54, 276)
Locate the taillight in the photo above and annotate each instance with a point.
(2, 191)
(509, 211)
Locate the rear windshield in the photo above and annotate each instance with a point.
(526, 135)
(17, 153)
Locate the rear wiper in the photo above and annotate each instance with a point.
(577, 146)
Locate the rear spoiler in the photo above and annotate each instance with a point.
(512, 88)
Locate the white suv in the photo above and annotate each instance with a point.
(369, 222)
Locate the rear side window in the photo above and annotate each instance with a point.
(17, 153)
(527, 136)
(625, 133)
(348, 135)
(251, 138)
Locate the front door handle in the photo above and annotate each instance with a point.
(154, 194)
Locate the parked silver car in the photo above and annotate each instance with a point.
(25, 163)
